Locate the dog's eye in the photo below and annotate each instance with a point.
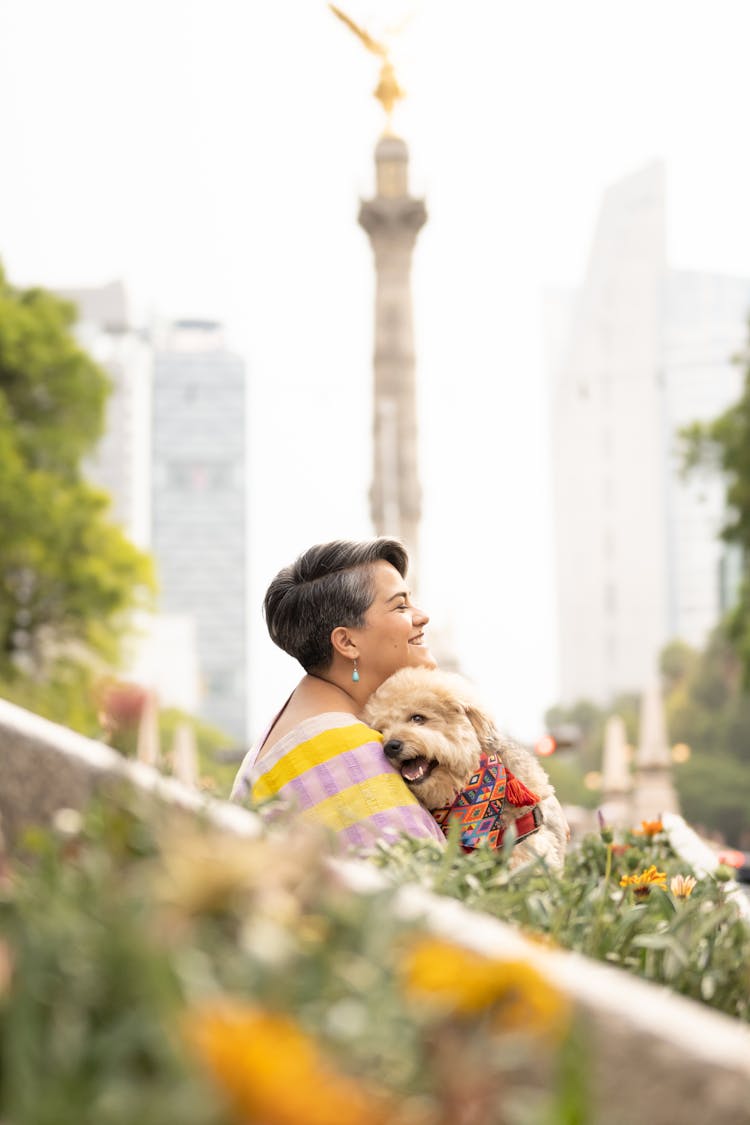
(417, 719)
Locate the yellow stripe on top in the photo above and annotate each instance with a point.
(304, 756)
(377, 794)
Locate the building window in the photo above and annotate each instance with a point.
(610, 597)
(207, 476)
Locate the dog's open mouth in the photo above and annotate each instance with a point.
(417, 769)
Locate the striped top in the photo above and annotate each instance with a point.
(333, 770)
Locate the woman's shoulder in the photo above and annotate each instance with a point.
(336, 727)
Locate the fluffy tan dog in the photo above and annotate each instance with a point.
(447, 748)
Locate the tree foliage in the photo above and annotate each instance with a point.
(724, 445)
(708, 709)
(69, 578)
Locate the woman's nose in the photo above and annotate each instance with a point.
(420, 617)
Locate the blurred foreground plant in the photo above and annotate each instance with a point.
(153, 969)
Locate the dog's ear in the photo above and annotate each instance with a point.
(482, 723)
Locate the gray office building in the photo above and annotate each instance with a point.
(199, 508)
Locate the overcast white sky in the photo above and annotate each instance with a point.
(212, 155)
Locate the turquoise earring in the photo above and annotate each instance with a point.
(355, 674)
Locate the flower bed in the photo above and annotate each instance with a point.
(630, 901)
(153, 969)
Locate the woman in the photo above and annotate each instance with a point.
(344, 612)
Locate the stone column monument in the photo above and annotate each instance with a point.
(653, 788)
(392, 219)
(616, 778)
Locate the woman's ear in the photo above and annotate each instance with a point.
(343, 643)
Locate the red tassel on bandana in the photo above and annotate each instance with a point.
(516, 792)
(478, 807)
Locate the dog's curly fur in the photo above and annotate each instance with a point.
(434, 729)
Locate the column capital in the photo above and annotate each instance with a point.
(392, 219)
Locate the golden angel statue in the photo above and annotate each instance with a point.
(387, 91)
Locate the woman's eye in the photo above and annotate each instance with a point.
(417, 719)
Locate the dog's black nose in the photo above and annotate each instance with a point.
(393, 748)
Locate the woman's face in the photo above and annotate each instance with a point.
(393, 634)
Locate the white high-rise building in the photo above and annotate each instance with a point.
(199, 492)
(646, 351)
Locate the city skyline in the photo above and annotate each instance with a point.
(224, 182)
(648, 350)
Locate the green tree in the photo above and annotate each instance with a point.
(724, 445)
(69, 578)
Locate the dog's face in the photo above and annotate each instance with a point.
(432, 731)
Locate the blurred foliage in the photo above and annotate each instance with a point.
(714, 792)
(216, 776)
(153, 969)
(723, 446)
(708, 709)
(69, 579)
(591, 721)
(565, 773)
(119, 708)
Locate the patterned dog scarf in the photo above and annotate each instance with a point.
(478, 807)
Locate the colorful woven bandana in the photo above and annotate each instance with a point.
(478, 807)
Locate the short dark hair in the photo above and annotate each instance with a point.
(331, 584)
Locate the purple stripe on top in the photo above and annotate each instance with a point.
(386, 826)
(352, 767)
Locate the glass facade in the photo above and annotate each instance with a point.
(199, 510)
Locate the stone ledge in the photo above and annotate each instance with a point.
(45, 767)
(653, 1056)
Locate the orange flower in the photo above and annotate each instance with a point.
(650, 828)
(273, 1072)
(642, 882)
(463, 982)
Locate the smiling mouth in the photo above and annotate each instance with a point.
(416, 769)
(417, 640)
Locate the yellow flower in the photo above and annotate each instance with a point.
(463, 982)
(681, 886)
(643, 881)
(650, 828)
(271, 1071)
